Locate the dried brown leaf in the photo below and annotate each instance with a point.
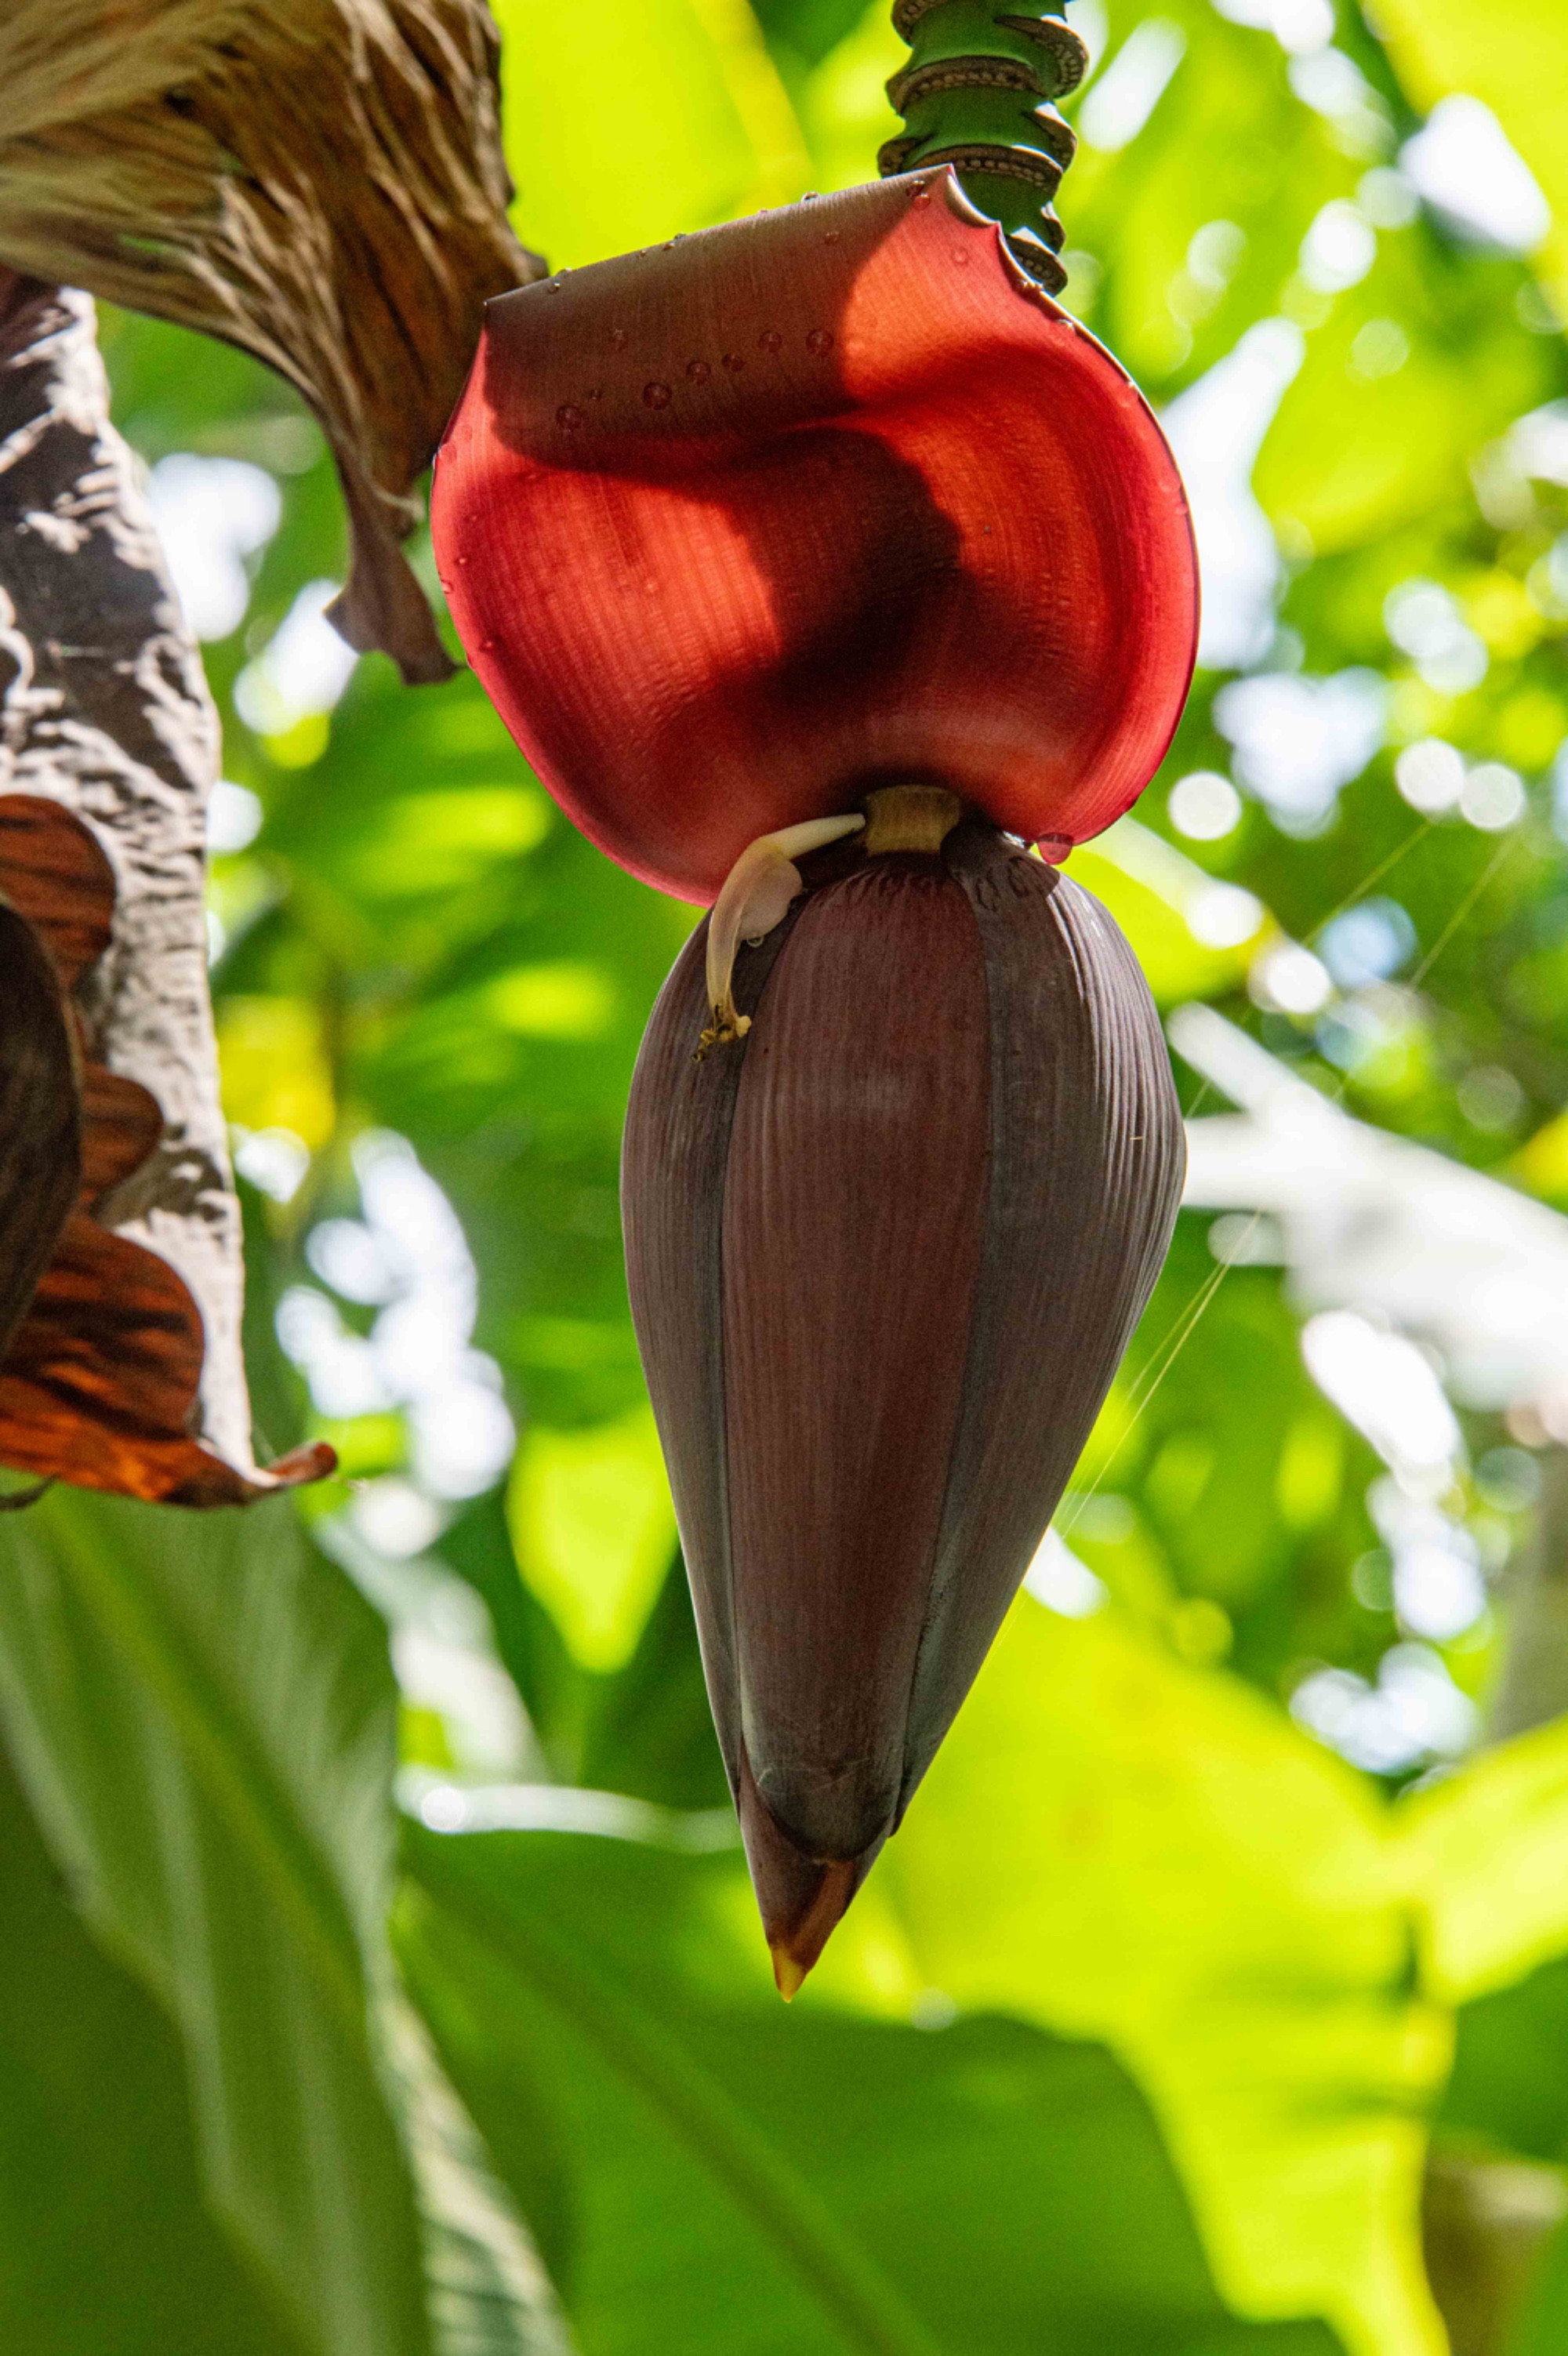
(317, 181)
(121, 1125)
(53, 873)
(99, 1386)
(40, 1140)
(102, 1348)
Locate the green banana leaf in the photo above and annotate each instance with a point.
(199, 1708)
(107, 2244)
(706, 2171)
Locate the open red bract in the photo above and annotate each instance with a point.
(739, 528)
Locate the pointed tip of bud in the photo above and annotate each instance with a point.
(789, 1977)
(797, 1947)
(801, 1899)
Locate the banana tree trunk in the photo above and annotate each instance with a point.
(105, 710)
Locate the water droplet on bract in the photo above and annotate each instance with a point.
(770, 340)
(569, 415)
(657, 396)
(922, 196)
(699, 372)
(960, 260)
(734, 362)
(487, 645)
(830, 237)
(618, 340)
(595, 392)
(819, 340)
(462, 560)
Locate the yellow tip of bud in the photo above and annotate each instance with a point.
(789, 1975)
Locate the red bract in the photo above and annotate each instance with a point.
(740, 528)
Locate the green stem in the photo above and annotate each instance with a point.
(976, 94)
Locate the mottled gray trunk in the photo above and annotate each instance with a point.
(104, 707)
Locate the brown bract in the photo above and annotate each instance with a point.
(885, 1253)
(317, 181)
(101, 1343)
(741, 527)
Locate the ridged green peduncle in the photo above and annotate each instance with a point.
(976, 94)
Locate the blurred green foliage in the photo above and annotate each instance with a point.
(108, 2243)
(204, 1725)
(840, 2183)
(1136, 2039)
